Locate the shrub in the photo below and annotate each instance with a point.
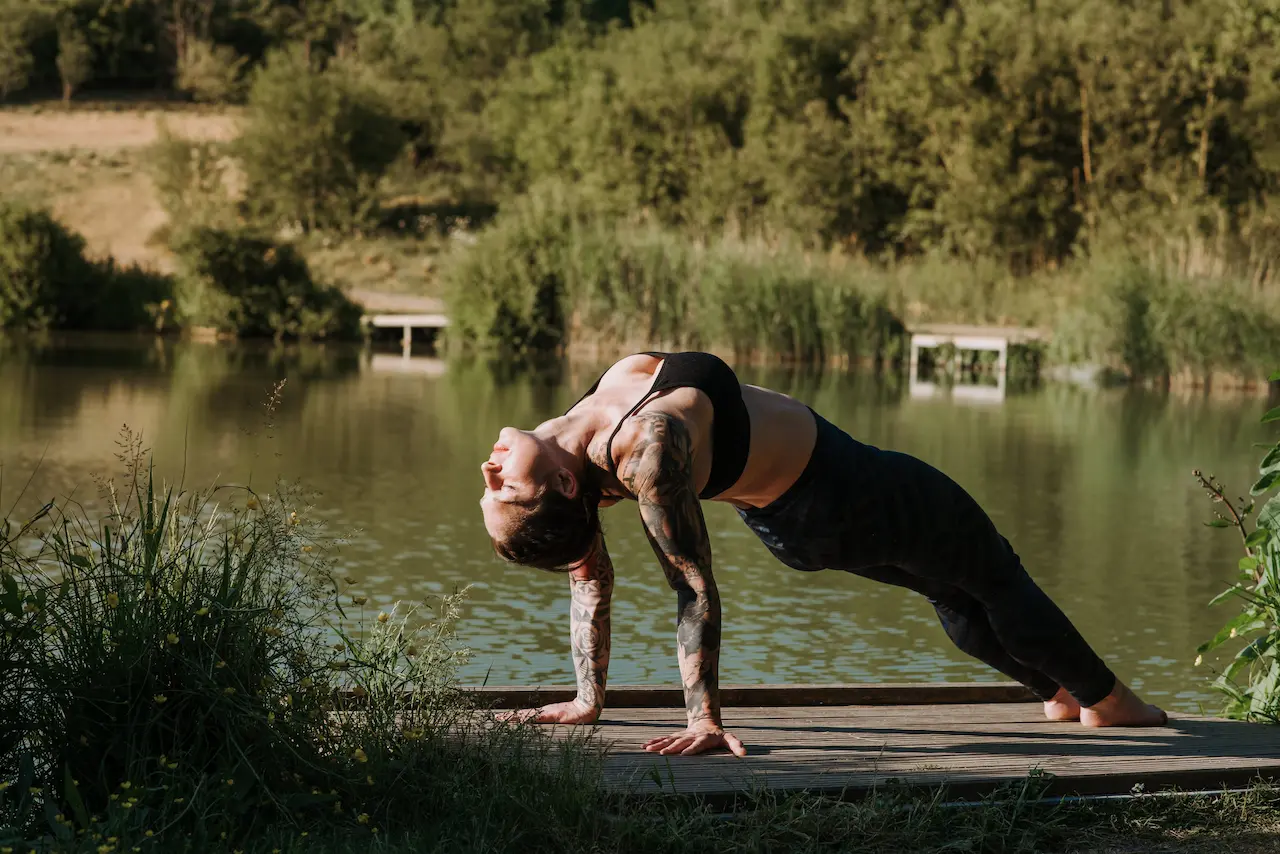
(211, 72)
(1251, 681)
(545, 275)
(191, 181)
(189, 670)
(75, 59)
(16, 60)
(314, 144)
(45, 281)
(247, 285)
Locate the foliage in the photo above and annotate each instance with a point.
(75, 59)
(189, 669)
(45, 280)
(546, 274)
(314, 145)
(211, 72)
(1251, 681)
(244, 284)
(191, 180)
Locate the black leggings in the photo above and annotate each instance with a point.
(892, 518)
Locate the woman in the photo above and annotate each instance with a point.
(667, 430)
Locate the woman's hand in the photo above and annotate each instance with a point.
(698, 738)
(572, 712)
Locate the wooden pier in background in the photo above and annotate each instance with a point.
(997, 339)
(848, 739)
(400, 311)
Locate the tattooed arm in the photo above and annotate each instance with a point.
(591, 594)
(658, 472)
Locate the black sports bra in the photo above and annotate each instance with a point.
(730, 425)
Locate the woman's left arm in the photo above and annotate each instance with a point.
(658, 472)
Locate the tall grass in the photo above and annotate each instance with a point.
(185, 670)
(549, 276)
(545, 277)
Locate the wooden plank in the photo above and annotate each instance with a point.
(951, 330)
(888, 694)
(401, 321)
(970, 747)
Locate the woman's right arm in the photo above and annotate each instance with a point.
(591, 590)
(591, 595)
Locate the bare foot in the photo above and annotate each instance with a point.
(1122, 708)
(1063, 707)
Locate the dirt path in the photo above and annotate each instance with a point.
(29, 131)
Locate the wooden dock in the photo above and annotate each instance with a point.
(997, 339)
(848, 739)
(401, 311)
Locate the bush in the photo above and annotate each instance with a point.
(1251, 680)
(45, 281)
(75, 60)
(191, 181)
(545, 275)
(211, 72)
(16, 60)
(314, 144)
(184, 671)
(247, 285)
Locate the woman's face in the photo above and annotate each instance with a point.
(514, 476)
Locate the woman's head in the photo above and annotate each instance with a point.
(539, 508)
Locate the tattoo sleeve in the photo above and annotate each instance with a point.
(591, 590)
(659, 473)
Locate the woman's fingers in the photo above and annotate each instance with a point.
(677, 746)
(735, 744)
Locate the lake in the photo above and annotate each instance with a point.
(1092, 487)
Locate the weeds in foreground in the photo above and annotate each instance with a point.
(1251, 681)
(186, 672)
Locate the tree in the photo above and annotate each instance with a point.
(75, 59)
(315, 143)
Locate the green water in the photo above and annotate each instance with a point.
(1093, 488)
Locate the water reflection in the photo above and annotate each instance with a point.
(1092, 487)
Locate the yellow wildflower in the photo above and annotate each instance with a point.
(228, 690)
(271, 717)
(220, 665)
(252, 503)
(230, 781)
(6, 784)
(172, 639)
(179, 800)
(1199, 659)
(359, 600)
(113, 600)
(383, 616)
(364, 818)
(200, 612)
(349, 580)
(369, 779)
(126, 785)
(360, 755)
(306, 549)
(150, 833)
(160, 699)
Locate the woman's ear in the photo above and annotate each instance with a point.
(565, 483)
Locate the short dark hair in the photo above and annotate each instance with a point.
(557, 532)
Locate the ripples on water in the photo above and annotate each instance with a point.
(1092, 487)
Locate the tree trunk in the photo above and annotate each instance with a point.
(67, 91)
